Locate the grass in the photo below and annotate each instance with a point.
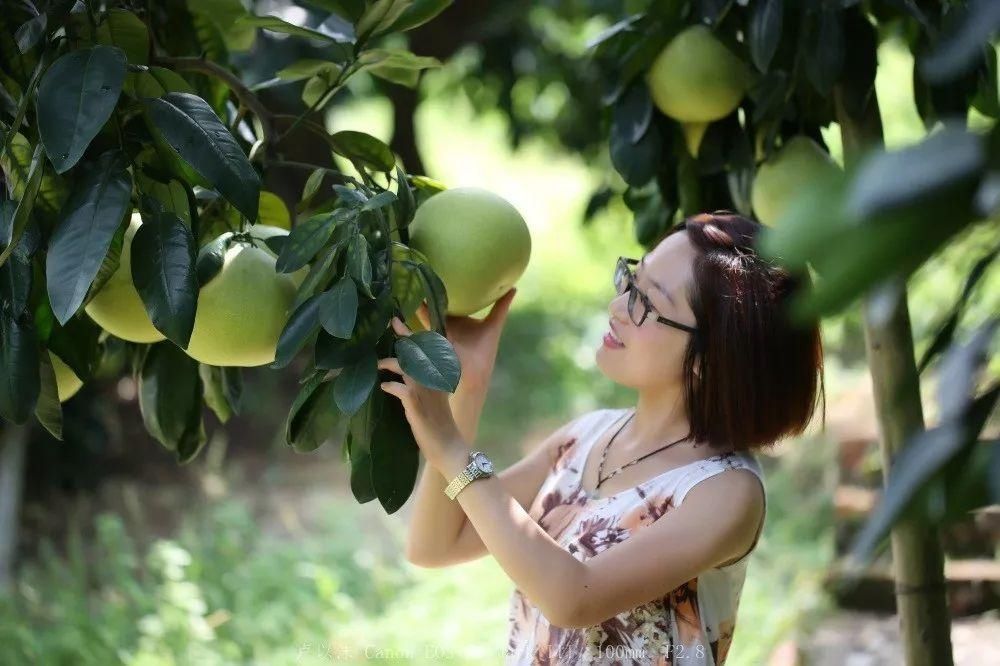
(227, 589)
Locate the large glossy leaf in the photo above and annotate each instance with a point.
(75, 98)
(373, 319)
(305, 240)
(429, 358)
(338, 308)
(197, 134)
(890, 179)
(19, 379)
(170, 399)
(359, 264)
(765, 31)
(962, 41)
(163, 271)
(15, 280)
(155, 82)
(395, 456)
(355, 383)
(363, 149)
(362, 425)
(418, 13)
(79, 243)
(313, 417)
(379, 15)
(301, 326)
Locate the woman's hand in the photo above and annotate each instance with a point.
(475, 342)
(427, 409)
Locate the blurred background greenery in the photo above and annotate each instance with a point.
(256, 554)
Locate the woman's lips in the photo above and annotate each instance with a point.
(609, 341)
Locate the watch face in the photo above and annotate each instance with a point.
(483, 463)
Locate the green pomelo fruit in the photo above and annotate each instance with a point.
(117, 307)
(265, 231)
(476, 241)
(695, 78)
(798, 163)
(242, 310)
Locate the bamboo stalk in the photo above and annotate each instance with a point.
(917, 556)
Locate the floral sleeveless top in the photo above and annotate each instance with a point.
(692, 625)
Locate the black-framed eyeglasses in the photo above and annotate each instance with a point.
(625, 279)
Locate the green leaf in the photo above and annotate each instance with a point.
(380, 200)
(75, 98)
(314, 418)
(170, 399)
(301, 326)
(197, 134)
(24, 205)
(960, 44)
(308, 67)
(15, 279)
(893, 178)
(214, 394)
(765, 31)
(19, 379)
(373, 319)
(362, 425)
(389, 63)
(355, 383)
(338, 308)
(304, 241)
(407, 286)
(359, 265)
(395, 456)
(405, 204)
(945, 334)
(48, 409)
(363, 149)
(429, 358)
(418, 13)
(155, 82)
(636, 162)
(163, 271)
(125, 30)
(342, 47)
(824, 57)
(225, 14)
(922, 458)
(79, 243)
(379, 16)
(16, 164)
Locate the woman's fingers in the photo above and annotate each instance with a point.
(400, 326)
(424, 315)
(390, 363)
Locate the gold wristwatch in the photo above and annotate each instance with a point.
(478, 467)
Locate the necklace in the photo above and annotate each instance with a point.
(600, 468)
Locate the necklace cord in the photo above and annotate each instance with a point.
(604, 455)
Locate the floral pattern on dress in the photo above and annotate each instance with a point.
(668, 630)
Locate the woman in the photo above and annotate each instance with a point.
(627, 532)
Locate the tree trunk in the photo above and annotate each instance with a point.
(917, 557)
(13, 440)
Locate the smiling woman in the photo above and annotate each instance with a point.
(628, 531)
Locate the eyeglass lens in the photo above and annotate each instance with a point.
(623, 281)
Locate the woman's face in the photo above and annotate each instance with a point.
(653, 355)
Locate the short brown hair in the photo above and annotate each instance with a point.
(760, 373)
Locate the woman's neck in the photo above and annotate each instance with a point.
(660, 417)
